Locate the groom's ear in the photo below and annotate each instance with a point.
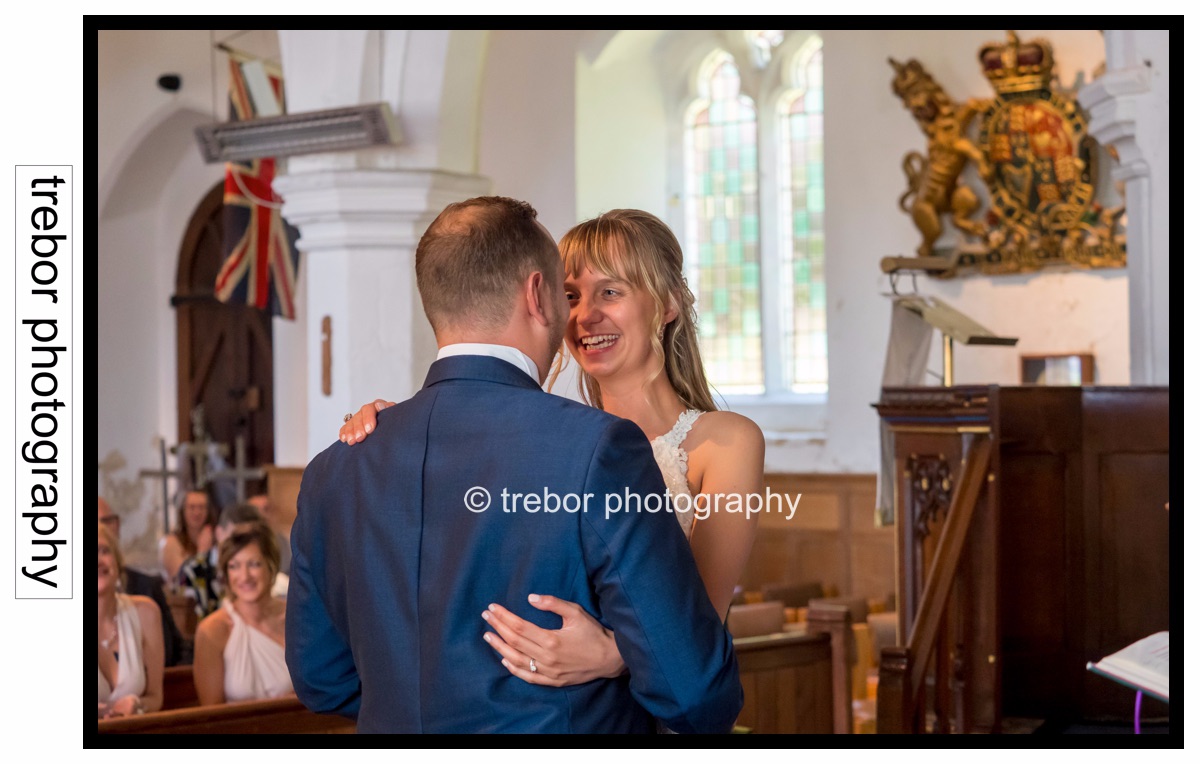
(535, 297)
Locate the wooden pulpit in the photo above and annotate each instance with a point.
(1031, 537)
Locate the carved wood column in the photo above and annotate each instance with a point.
(931, 428)
(834, 620)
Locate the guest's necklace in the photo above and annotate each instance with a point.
(112, 637)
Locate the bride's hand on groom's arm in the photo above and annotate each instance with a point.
(582, 650)
(358, 426)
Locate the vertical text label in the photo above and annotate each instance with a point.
(42, 425)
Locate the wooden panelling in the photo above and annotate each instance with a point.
(831, 539)
(1068, 558)
(787, 680)
(820, 512)
(283, 489)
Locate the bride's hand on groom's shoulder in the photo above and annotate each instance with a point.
(582, 650)
(358, 426)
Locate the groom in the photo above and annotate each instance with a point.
(401, 542)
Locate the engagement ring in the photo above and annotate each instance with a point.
(532, 666)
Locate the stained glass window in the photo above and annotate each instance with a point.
(721, 147)
(803, 196)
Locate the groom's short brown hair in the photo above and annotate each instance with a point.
(475, 255)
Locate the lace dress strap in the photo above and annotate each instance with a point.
(673, 462)
(682, 427)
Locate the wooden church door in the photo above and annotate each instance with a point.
(224, 350)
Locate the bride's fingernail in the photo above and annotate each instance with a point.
(487, 638)
(534, 598)
(368, 428)
(487, 616)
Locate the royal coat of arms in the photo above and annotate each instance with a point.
(1035, 160)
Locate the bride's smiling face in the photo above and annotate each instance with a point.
(608, 332)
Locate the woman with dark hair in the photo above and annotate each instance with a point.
(129, 636)
(239, 648)
(193, 534)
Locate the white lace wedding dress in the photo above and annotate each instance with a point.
(673, 461)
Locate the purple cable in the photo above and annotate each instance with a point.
(1137, 714)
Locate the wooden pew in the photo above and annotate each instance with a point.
(183, 610)
(179, 690)
(183, 714)
(278, 716)
(799, 683)
(793, 683)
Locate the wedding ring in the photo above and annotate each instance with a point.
(532, 666)
(347, 418)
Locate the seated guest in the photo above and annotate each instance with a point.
(146, 585)
(271, 516)
(199, 577)
(129, 639)
(193, 534)
(239, 648)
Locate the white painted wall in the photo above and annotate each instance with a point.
(527, 121)
(621, 131)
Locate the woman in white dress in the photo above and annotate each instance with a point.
(129, 636)
(632, 330)
(239, 651)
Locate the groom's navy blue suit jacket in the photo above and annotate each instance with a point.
(391, 570)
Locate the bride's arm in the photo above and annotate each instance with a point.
(356, 429)
(730, 461)
(582, 650)
(731, 457)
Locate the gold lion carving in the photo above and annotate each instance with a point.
(934, 185)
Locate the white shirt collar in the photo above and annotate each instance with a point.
(503, 352)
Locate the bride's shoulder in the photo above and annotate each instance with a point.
(726, 428)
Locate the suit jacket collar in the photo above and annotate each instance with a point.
(480, 368)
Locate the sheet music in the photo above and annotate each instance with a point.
(1144, 665)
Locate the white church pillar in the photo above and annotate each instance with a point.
(359, 232)
(1129, 107)
(361, 214)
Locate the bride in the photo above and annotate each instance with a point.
(632, 330)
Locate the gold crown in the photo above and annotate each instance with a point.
(1014, 66)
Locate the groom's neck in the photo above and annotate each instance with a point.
(510, 337)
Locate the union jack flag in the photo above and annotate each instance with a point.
(261, 259)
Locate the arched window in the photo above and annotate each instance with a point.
(802, 192)
(721, 157)
(756, 250)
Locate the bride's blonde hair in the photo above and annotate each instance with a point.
(639, 248)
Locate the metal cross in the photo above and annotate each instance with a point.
(164, 475)
(240, 473)
(197, 450)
